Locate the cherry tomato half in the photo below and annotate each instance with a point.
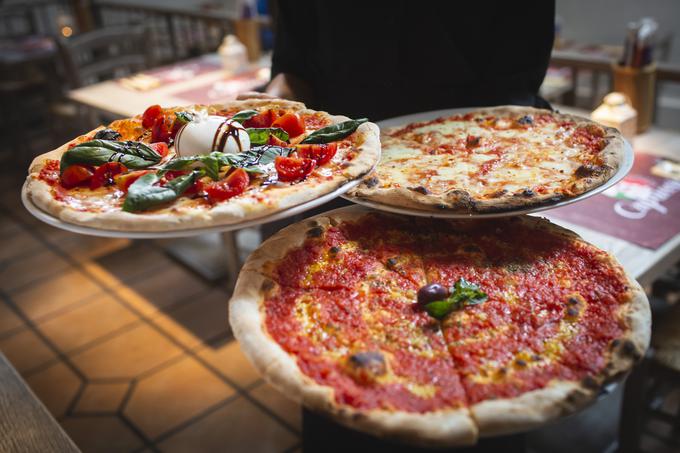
(75, 175)
(160, 148)
(264, 119)
(160, 131)
(124, 180)
(104, 174)
(149, 116)
(293, 168)
(322, 153)
(234, 184)
(291, 123)
(274, 141)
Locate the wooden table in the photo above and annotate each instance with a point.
(200, 75)
(25, 424)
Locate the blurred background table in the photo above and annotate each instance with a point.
(198, 80)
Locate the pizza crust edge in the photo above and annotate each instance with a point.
(460, 201)
(237, 210)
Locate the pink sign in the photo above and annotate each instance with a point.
(643, 209)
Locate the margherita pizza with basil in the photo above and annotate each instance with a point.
(434, 331)
(492, 160)
(201, 166)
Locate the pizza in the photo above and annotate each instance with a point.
(201, 166)
(437, 332)
(492, 160)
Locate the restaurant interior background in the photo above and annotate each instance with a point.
(126, 342)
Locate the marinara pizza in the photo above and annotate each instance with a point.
(201, 166)
(492, 160)
(437, 332)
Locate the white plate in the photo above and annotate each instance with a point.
(626, 165)
(55, 222)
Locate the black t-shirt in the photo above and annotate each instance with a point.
(382, 59)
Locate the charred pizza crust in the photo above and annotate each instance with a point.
(458, 198)
(454, 427)
(185, 214)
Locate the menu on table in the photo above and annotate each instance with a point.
(644, 208)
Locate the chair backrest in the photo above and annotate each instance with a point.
(16, 21)
(103, 54)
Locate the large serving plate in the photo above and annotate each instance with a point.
(623, 170)
(58, 223)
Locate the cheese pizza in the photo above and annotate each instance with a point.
(492, 160)
(437, 332)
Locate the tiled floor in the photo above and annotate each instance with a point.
(128, 349)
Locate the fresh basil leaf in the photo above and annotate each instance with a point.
(244, 115)
(334, 132)
(462, 294)
(107, 134)
(185, 117)
(254, 159)
(469, 293)
(260, 135)
(127, 147)
(134, 155)
(145, 193)
(439, 308)
(210, 162)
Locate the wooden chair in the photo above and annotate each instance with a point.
(103, 54)
(646, 402)
(92, 57)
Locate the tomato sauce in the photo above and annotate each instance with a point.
(550, 312)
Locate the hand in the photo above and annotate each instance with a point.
(282, 86)
(254, 95)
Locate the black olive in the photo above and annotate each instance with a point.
(526, 119)
(430, 293)
(107, 134)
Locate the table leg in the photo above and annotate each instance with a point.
(212, 256)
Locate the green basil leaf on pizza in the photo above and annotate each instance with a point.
(334, 132)
(461, 295)
(134, 155)
(147, 193)
(244, 115)
(260, 136)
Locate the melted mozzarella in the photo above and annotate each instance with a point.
(211, 133)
